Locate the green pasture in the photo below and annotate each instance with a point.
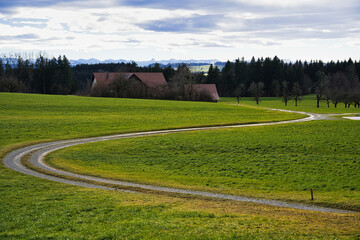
(32, 208)
(307, 104)
(279, 162)
(28, 117)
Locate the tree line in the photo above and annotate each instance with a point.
(332, 82)
(46, 76)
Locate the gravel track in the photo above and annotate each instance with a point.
(38, 152)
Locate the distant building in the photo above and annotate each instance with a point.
(149, 80)
(150, 85)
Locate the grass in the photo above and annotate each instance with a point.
(308, 104)
(280, 162)
(32, 208)
(38, 209)
(26, 118)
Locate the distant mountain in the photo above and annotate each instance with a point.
(172, 62)
(94, 61)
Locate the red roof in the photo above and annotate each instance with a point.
(208, 89)
(152, 80)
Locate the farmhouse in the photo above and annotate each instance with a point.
(150, 84)
(148, 80)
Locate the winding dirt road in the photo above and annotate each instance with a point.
(37, 153)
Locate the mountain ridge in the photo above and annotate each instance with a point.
(143, 63)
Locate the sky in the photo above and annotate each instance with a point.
(183, 29)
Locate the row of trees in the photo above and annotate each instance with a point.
(272, 72)
(340, 87)
(332, 82)
(47, 76)
(332, 88)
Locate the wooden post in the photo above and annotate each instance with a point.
(312, 194)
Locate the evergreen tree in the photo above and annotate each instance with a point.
(210, 77)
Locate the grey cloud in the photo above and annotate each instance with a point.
(22, 22)
(29, 36)
(194, 23)
(297, 21)
(216, 45)
(127, 41)
(102, 19)
(132, 41)
(185, 44)
(263, 43)
(191, 4)
(300, 34)
(65, 26)
(200, 44)
(8, 5)
(312, 26)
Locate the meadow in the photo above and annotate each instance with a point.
(26, 118)
(32, 208)
(306, 104)
(279, 162)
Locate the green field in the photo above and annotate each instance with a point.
(307, 104)
(280, 162)
(28, 117)
(33, 208)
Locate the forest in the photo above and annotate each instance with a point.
(332, 82)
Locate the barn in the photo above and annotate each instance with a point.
(149, 80)
(154, 85)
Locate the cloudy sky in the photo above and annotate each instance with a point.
(182, 29)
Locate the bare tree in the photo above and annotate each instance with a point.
(285, 92)
(239, 91)
(11, 84)
(256, 90)
(296, 92)
(337, 89)
(320, 85)
(355, 97)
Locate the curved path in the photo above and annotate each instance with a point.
(38, 152)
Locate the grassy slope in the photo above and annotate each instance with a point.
(32, 208)
(35, 209)
(27, 118)
(281, 162)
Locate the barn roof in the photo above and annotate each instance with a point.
(152, 80)
(209, 89)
